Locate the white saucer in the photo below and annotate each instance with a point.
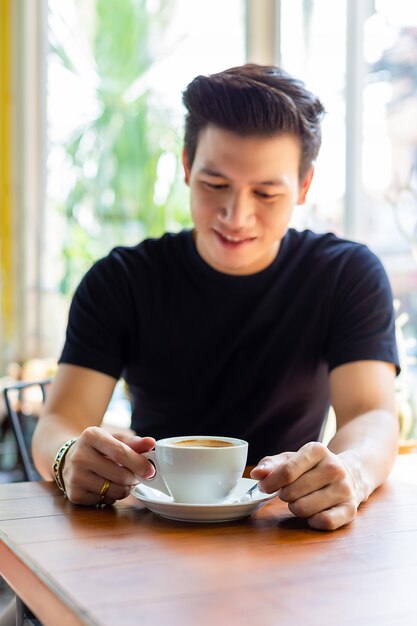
(231, 509)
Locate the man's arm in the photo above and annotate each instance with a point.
(78, 398)
(326, 485)
(363, 397)
(76, 403)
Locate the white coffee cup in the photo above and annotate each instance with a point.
(197, 469)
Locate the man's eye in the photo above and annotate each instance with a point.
(266, 196)
(214, 185)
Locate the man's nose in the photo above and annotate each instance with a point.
(237, 212)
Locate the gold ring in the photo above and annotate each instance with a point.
(104, 490)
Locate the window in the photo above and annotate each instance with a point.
(361, 59)
(313, 47)
(115, 117)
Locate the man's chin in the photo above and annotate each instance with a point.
(237, 267)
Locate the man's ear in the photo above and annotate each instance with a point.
(305, 185)
(186, 167)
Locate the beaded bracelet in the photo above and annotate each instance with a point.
(58, 463)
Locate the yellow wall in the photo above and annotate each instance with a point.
(6, 239)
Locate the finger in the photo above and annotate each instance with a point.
(333, 518)
(114, 492)
(287, 470)
(88, 490)
(88, 498)
(314, 503)
(119, 452)
(138, 444)
(106, 468)
(84, 460)
(83, 498)
(322, 475)
(269, 464)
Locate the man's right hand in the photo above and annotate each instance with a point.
(98, 456)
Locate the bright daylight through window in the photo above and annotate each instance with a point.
(114, 76)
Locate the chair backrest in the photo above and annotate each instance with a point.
(18, 419)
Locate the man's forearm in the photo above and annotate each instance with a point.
(368, 445)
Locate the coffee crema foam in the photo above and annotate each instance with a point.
(203, 443)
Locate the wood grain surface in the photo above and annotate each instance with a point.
(125, 566)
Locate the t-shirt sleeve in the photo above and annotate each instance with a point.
(363, 320)
(100, 320)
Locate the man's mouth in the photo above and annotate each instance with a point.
(232, 240)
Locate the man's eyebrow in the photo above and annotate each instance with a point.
(210, 172)
(267, 183)
(272, 183)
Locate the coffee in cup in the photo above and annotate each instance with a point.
(203, 443)
(199, 469)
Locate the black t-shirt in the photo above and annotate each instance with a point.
(248, 356)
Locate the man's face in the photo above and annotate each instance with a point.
(243, 191)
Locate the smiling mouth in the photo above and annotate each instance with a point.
(231, 240)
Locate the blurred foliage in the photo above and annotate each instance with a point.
(124, 162)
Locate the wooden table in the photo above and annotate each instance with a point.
(125, 566)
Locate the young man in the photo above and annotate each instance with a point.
(240, 327)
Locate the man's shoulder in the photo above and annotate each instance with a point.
(327, 241)
(328, 248)
(153, 246)
(127, 266)
(151, 252)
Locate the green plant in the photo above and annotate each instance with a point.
(124, 160)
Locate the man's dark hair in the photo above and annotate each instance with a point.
(254, 100)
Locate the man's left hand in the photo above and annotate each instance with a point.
(316, 483)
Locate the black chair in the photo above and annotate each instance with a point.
(22, 424)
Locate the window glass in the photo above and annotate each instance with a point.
(115, 75)
(313, 48)
(390, 171)
(390, 143)
(383, 51)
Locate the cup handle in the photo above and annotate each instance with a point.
(157, 481)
